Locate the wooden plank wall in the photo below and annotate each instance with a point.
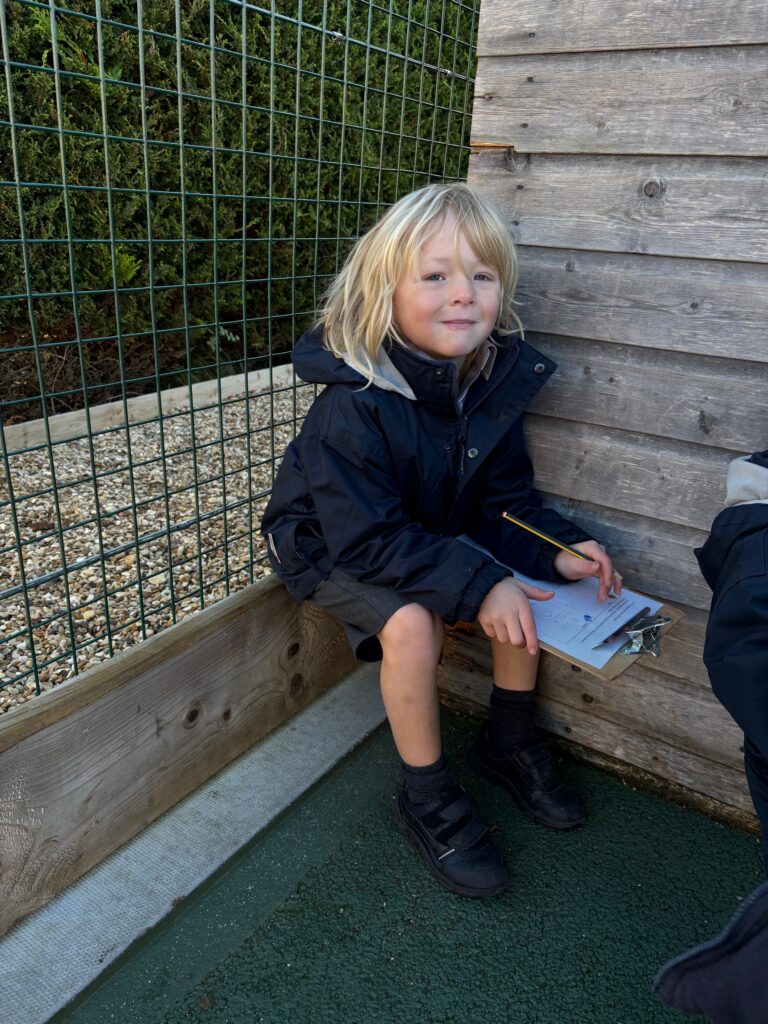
(626, 143)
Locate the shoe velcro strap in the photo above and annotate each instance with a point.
(534, 755)
(469, 834)
(460, 807)
(464, 829)
(538, 762)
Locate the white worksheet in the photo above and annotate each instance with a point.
(573, 621)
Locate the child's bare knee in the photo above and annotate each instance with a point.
(413, 629)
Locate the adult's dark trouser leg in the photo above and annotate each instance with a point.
(756, 765)
(745, 698)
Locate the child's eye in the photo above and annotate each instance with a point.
(433, 277)
(482, 276)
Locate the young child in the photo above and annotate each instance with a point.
(387, 507)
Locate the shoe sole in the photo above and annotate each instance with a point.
(501, 780)
(424, 852)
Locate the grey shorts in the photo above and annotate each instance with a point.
(363, 610)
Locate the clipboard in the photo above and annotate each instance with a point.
(619, 662)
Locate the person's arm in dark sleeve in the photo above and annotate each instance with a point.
(509, 488)
(370, 535)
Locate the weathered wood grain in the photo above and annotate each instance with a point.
(714, 402)
(720, 778)
(678, 305)
(85, 767)
(698, 773)
(649, 703)
(653, 556)
(704, 207)
(645, 475)
(645, 699)
(708, 101)
(538, 26)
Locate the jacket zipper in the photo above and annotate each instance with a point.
(465, 422)
(462, 443)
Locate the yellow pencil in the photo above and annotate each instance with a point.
(545, 536)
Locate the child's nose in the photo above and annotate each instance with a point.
(462, 291)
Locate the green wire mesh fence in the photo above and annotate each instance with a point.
(178, 181)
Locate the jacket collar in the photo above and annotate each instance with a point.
(435, 383)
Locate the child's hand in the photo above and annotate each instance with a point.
(506, 615)
(600, 565)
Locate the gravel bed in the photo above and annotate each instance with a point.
(135, 589)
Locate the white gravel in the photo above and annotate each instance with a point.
(127, 593)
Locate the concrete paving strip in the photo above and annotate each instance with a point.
(85, 929)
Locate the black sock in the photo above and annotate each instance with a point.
(511, 722)
(428, 783)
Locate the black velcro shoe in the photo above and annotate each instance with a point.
(454, 844)
(531, 774)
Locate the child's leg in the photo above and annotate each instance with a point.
(412, 641)
(511, 721)
(509, 751)
(431, 810)
(513, 667)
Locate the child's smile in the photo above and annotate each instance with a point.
(449, 307)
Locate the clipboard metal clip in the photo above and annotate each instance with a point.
(644, 635)
(625, 627)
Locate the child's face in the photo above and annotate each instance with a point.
(449, 306)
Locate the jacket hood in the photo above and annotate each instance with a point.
(316, 365)
(747, 480)
(427, 381)
(745, 512)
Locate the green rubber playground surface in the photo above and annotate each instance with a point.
(330, 916)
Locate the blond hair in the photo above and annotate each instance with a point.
(357, 313)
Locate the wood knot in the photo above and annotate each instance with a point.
(653, 188)
(192, 715)
(706, 423)
(293, 650)
(518, 163)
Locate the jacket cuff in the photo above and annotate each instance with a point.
(544, 563)
(486, 577)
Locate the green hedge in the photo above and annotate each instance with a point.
(300, 212)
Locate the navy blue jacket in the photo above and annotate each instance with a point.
(382, 485)
(734, 562)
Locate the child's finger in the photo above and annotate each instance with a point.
(606, 578)
(503, 634)
(528, 627)
(535, 593)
